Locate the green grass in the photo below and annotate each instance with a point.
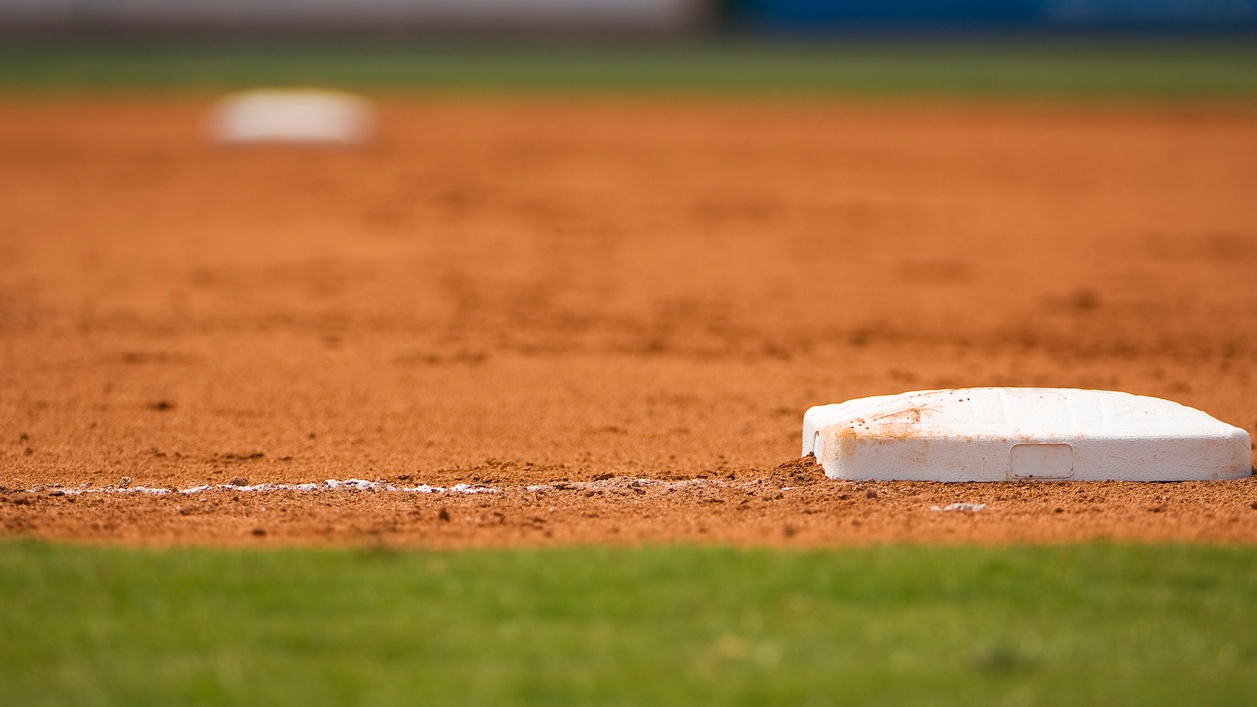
(1038, 68)
(1070, 625)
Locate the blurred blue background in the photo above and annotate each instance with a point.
(822, 15)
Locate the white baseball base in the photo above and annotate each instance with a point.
(306, 117)
(1006, 434)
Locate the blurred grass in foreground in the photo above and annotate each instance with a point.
(1029, 68)
(1067, 625)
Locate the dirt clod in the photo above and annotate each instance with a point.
(802, 470)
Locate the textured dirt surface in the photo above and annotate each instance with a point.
(577, 294)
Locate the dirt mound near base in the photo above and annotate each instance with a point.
(799, 472)
(552, 294)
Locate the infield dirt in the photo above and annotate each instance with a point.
(579, 293)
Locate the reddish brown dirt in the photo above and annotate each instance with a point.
(515, 292)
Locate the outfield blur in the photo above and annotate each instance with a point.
(1070, 625)
(984, 68)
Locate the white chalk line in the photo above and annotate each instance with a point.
(965, 507)
(342, 485)
(329, 485)
(365, 485)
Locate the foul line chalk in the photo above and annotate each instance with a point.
(384, 486)
(329, 485)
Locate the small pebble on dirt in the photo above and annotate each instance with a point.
(239, 481)
(444, 515)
